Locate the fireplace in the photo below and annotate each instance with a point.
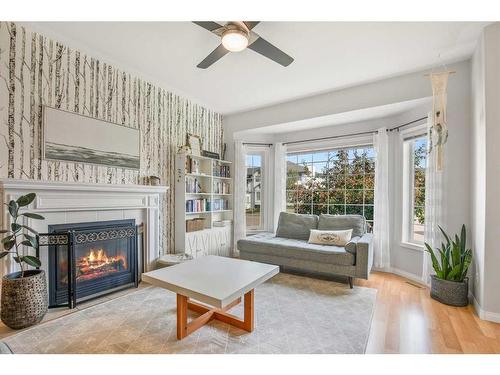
(87, 260)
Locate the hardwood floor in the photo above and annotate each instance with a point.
(407, 320)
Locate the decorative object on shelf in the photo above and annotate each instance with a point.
(193, 165)
(184, 150)
(223, 157)
(24, 293)
(223, 223)
(210, 154)
(154, 180)
(438, 134)
(195, 224)
(194, 143)
(73, 137)
(450, 283)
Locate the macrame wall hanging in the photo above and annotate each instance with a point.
(438, 133)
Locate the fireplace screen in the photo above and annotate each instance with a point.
(98, 257)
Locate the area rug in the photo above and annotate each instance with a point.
(293, 314)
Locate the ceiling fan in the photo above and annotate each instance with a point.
(236, 36)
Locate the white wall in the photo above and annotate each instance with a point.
(492, 220)
(478, 169)
(412, 86)
(392, 90)
(486, 170)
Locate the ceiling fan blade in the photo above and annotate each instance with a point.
(251, 24)
(215, 55)
(262, 46)
(208, 25)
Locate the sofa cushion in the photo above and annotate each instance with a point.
(330, 237)
(338, 222)
(296, 225)
(268, 244)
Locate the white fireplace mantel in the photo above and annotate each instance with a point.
(70, 202)
(14, 184)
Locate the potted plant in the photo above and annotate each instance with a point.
(24, 293)
(450, 283)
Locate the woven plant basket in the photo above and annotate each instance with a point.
(453, 293)
(24, 300)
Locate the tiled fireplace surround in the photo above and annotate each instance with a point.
(65, 203)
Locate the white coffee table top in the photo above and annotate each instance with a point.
(214, 280)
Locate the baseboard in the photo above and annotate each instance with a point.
(408, 275)
(485, 315)
(397, 271)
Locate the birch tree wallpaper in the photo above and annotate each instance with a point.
(37, 71)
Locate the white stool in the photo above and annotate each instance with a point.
(172, 259)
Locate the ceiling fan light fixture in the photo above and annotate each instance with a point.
(235, 40)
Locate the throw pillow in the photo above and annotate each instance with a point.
(330, 237)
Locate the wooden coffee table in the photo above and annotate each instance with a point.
(217, 282)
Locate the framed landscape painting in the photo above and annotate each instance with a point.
(72, 137)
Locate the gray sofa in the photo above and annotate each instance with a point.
(289, 248)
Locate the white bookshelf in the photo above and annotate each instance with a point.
(200, 184)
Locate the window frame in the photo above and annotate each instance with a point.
(408, 196)
(263, 152)
(330, 149)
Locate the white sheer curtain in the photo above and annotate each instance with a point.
(434, 207)
(239, 191)
(279, 181)
(381, 230)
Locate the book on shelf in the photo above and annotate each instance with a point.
(203, 205)
(197, 205)
(221, 187)
(219, 204)
(192, 165)
(220, 170)
(193, 185)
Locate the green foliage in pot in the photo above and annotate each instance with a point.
(16, 238)
(454, 259)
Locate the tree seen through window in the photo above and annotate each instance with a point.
(419, 148)
(334, 182)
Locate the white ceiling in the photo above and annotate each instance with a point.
(350, 117)
(328, 55)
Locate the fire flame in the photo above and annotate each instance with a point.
(98, 258)
(96, 263)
